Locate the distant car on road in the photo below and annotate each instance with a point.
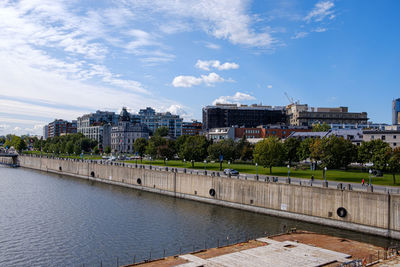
(231, 172)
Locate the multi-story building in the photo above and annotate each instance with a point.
(302, 115)
(390, 135)
(97, 126)
(97, 118)
(192, 128)
(264, 131)
(219, 134)
(228, 115)
(353, 135)
(396, 112)
(124, 134)
(60, 127)
(368, 126)
(45, 132)
(155, 120)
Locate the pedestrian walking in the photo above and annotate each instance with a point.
(363, 182)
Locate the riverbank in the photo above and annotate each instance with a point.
(373, 213)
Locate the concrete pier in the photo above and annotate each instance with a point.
(368, 212)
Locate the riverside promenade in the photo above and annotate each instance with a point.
(369, 212)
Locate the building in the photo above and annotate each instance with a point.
(218, 134)
(228, 115)
(61, 127)
(353, 135)
(368, 126)
(390, 135)
(45, 132)
(124, 134)
(302, 115)
(396, 112)
(97, 126)
(264, 131)
(191, 128)
(155, 120)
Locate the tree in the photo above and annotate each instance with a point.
(268, 152)
(15, 141)
(394, 163)
(166, 150)
(180, 141)
(303, 152)
(69, 147)
(153, 144)
(162, 131)
(316, 149)
(337, 152)
(107, 150)
(291, 148)
(194, 149)
(375, 151)
(226, 148)
(96, 150)
(140, 145)
(244, 149)
(320, 127)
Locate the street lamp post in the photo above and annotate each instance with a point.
(166, 162)
(370, 187)
(370, 172)
(288, 174)
(229, 164)
(256, 169)
(325, 184)
(184, 163)
(205, 164)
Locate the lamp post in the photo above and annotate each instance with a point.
(166, 162)
(229, 164)
(288, 174)
(184, 163)
(325, 183)
(205, 164)
(256, 169)
(370, 172)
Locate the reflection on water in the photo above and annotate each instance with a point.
(53, 220)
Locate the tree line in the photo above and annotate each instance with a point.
(332, 152)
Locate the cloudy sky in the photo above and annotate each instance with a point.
(61, 59)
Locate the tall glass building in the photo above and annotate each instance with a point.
(396, 111)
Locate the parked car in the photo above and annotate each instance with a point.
(231, 172)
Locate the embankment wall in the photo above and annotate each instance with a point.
(373, 213)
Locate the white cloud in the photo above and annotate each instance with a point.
(186, 81)
(223, 19)
(320, 29)
(269, 86)
(212, 46)
(206, 65)
(236, 98)
(300, 35)
(320, 11)
(189, 81)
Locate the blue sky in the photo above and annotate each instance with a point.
(61, 59)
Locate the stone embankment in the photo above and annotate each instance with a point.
(368, 212)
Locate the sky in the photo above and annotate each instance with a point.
(63, 59)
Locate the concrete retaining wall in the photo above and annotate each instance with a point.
(373, 213)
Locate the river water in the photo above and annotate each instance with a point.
(55, 220)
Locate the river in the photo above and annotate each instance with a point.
(55, 220)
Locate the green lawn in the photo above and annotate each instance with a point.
(350, 176)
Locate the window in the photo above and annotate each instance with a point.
(394, 144)
(383, 137)
(394, 136)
